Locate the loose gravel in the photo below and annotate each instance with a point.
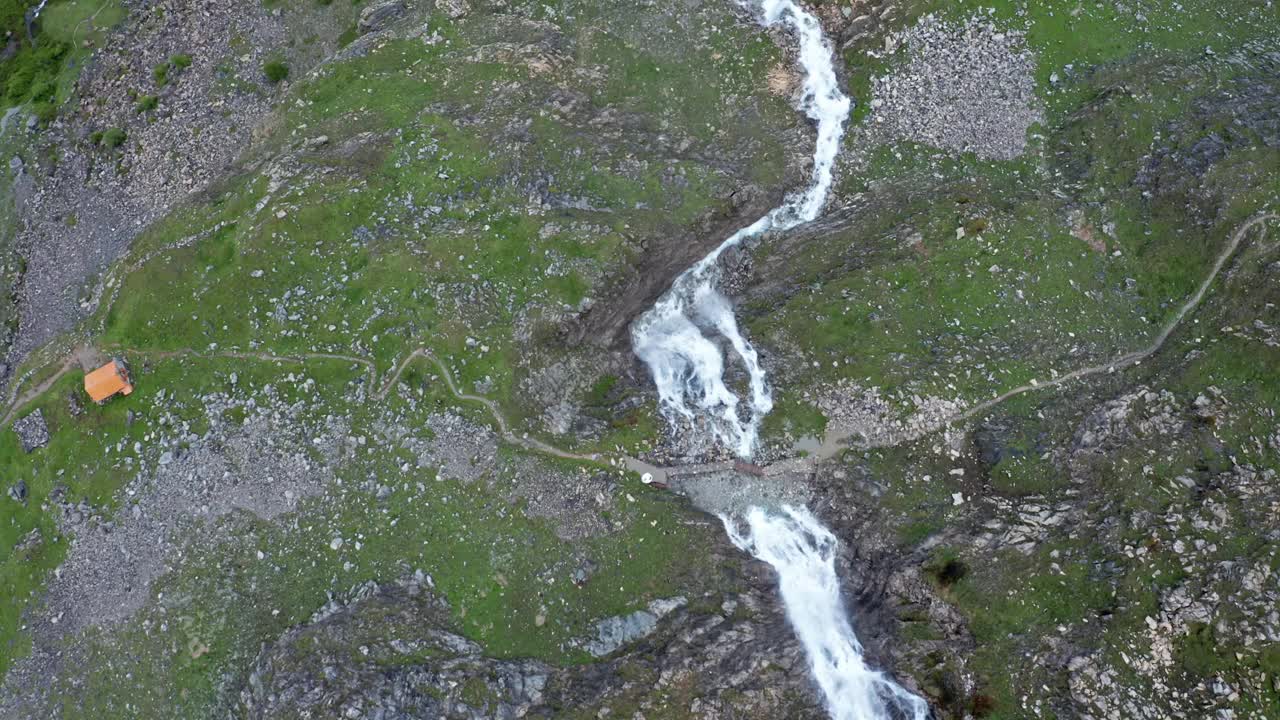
(965, 88)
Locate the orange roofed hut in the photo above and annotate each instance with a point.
(108, 381)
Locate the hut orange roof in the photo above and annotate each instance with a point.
(107, 381)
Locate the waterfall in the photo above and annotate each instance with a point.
(688, 370)
(802, 552)
(671, 337)
(31, 16)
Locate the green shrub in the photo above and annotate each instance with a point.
(163, 72)
(599, 394)
(276, 71)
(112, 138)
(1200, 653)
(43, 90)
(946, 567)
(348, 36)
(33, 70)
(18, 83)
(44, 111)
(147, 103)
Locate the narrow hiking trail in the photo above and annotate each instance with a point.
(832, 444)
(1138, 356)
(16, 402)
(499, 419)
(504, 429)
(837, 440)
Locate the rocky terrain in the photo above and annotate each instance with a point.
(373, 265)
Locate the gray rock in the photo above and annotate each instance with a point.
(379, 16)
(18, 491)
(965, 88)
(73, 404)
(615, 632)
(408, 665)
(32, 431)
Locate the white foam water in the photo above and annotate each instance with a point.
(687, 366)
(688, 370)
(35, 14)
(802, 551)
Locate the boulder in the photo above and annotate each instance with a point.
(32, 431)
(380, 16)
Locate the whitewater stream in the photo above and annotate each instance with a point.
(687, 366)
(803, 552)
(688, 370)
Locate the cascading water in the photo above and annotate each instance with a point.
(687, 367)
(802, 551)
(31, 17)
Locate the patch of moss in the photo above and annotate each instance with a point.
(275, 71)
(111, 138)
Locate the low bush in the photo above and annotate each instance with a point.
(276, 71)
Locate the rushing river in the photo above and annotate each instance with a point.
(688, 369)
(671, 339)
(803, 553)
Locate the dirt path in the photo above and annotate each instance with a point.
(17, 402)
(836, 441)
(1138, 356)
(71, 363)
(522, 440)
(301, 359)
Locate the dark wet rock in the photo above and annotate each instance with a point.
(733, 656)
(888, 591)
(992, 444)
(392, 651)
(387, 655)
(1246, 113)
(30, 541)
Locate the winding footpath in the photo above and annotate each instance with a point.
(837, 440)
(1137, 356)
(834, 443)
(529, 443)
